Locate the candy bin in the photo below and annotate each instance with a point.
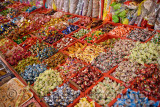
(63, 96)
(42, 50)
(89, 53)
(85, 101)
(20, 39)
(86, 77)
(73, 19)
(70, 29)
(107, 28)
(76, 47)
(95, 24)
(84, 21)
(120, 31)
(55, 60)
(64, 42)
(32, 71)
(156, 38)
(47, 81)
(28, 43)
(79, 34)
(134, 98)
(105, 91)
(70, 67)
(141, 35)
(148, 81)
(94, 36)
(126, 71)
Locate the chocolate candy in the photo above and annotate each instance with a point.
(149, 81)
(62, 97)
(47, 81)
(26, 62)
(104, 92)
(33, 71)
(140, 34)
(86, 77)
(84, 102)
(55, 60)
(80, 33)
(132, 98)
(70, 29)
(126, 71)
(64, 42)
(70, 67)
(95, 24)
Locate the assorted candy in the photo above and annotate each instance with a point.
(19, 40)
(47, 81)
(33, 71)
(42, 51)
(80, 33)
(84, 21)
(85, 103)
(54, 38)
(55, 60)
(87, 77)
(126, 71)
(105, 91)
(107, 60)
(92, 37)
(26, 62)
(75, 19)
(156, 38)
(62, 97)
(140, 34)
(70, 29)
(70, 67)
(120, 31)
(64, 42)
(146, 53)
(133, 98)
(95, 24)
(89, 53)
(148, 82)
(107, 28)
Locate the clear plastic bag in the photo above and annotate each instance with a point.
(85, 7)
(95, 10)
(66, 5)
(73, 6)
(89, 13)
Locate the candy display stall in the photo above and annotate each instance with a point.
(51, 58)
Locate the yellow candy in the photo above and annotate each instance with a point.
(84, 103)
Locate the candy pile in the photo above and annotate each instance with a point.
(106, 61)
(107, 28)
(89, 53)
(70, 29)
(26, 62)
(140, 34)
(15, 55)
(85, 103)
(81, 33)
(74, 48)
(126, 71)
(85, 21)
(156, 38)
(132, 98)
(62, 97)
(146, 53)
(19, 39)
(107, 44)
(28, 43)
(95, 24)
(47, 81)
(149, 81)
(75, 19)
(120, 31)
(54, 38)
(42, 51)
(70, 67)
(33, 71)
(64, 42)
(55, 60)
(105, 91)
(94, 36)
(86, 77)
